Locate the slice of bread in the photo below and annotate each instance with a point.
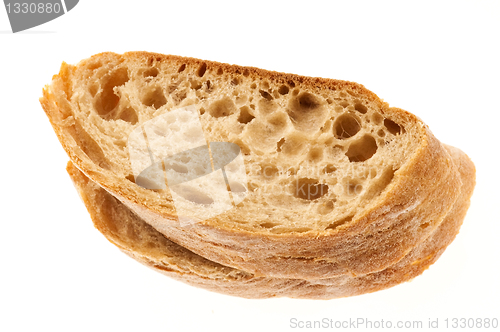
(140, 241)
(336, 182)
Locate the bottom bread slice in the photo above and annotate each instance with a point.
(143, 243)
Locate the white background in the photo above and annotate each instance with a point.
(438, 60)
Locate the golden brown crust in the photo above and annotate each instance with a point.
(314, 82)
(107, 213)
(422, 193)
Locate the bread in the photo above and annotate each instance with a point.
(378, 183)
(142, 242)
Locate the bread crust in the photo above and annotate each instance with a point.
(110, 216)
(421, 194)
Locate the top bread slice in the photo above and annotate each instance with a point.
(337, 182)
(140, 241)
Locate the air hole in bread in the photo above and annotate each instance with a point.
(193, 195)
(344, 104)
(120, 143)
(128, 115)
(381, 132)
(253, 86)
(278, 120)
(377, 118)
(327, 127)
(346, 125)
(309, 189)
(279, 144)
(315, 154)
(185, 159)
(222, 108)
(237, 187)
(107, 99)
(329, 169)
(241, 99)
(294, 145)
(424, 225)
(294, 230)
(362, 149)
(195, 84)
(246, 73)
(392, 126)
(268, 225)
(308, 101)
(245, 115)
(235, 81)
(291, 83)
(93, 88)
(154, 98)
(220, 71)
(283, 90)
(202, 69)
(176, 167)
(131, 178)
(353, 187)
(150, 72)
(202, 111)
(306, 112)
(266, 95)
(360, 108)
(326, 207)
(181, 68)
(339, 222)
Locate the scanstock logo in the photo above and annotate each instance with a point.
(28, 14)
(204, 179)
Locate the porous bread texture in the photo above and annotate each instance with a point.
(309, 153)
(338, 182)
(140, 241)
